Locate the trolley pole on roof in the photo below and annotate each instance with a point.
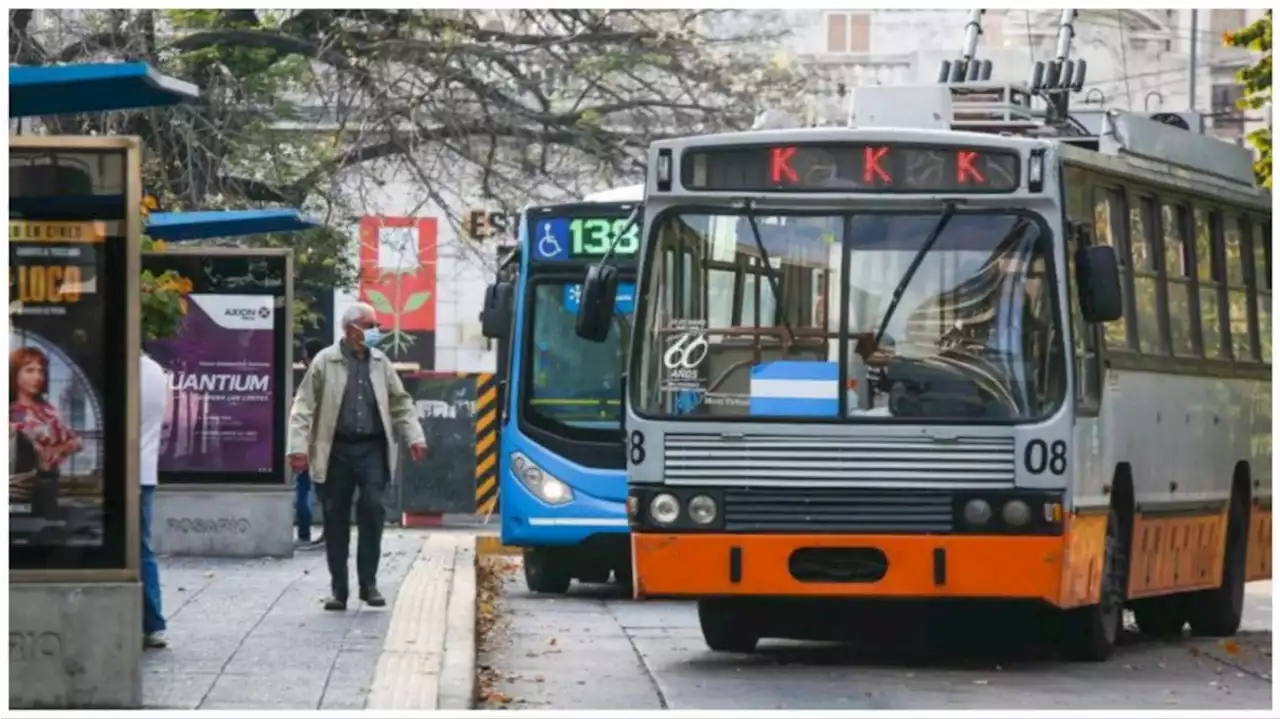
(967, 68)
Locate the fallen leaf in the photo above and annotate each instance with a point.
(551, 642)
(1194, 651)
(1231, 647)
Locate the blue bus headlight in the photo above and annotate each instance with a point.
(538, 482)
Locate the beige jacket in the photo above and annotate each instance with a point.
(319, 397)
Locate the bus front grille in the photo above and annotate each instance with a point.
(710, 459)
(818, 511)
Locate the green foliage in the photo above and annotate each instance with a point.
(164, 299)
(1257, 86)
(316, 108)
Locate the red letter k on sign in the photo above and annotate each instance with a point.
(780, 166)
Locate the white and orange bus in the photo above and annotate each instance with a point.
(951, 360)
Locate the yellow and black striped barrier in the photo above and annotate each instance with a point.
(486, 415)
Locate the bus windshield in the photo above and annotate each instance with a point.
(573, 383)
(974, 336)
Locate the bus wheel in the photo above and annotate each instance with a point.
(1090, 633)
(1217, 612)
(545, 571)
(726, 626)
(1161, 617)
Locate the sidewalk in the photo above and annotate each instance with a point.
(251, 634)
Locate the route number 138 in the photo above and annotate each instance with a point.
(594, 236)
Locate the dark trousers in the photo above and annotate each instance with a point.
(302, 504)
(358, 472)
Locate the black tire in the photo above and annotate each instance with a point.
(727, 626)
(1090, 633)
(545, 571)
(1161, 617)
(1217, 612)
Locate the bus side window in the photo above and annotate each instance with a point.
(1262, 274)
(1178, 280)
(1146, 276)
(1209, 277)
(1108, 229)
(1234, 247)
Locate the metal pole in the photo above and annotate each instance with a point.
(1195, 44)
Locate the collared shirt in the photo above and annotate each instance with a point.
(358, 418)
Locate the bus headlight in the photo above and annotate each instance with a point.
(702, 509)
(664, 508)
(538, 482)
(1016, 513)
(977, 512)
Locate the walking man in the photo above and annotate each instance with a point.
(153, 393)
(302, 480)
(342, 428)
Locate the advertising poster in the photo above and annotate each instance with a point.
(398, 277)
(70, 368)
(228, 399)
(222, 367)
(56, 383)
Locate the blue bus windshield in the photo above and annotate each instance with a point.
(574, 382)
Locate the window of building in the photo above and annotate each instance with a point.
(848, 32)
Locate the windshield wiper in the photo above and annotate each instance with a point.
(780, 307)
(626, 225)
(948, 212)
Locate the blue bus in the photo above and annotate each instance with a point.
(562, 468)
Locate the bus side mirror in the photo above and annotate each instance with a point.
(1098, 284)
(595, 310)
(495, 318)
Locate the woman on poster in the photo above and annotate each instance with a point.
(35, 421)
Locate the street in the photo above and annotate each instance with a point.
(596, 649)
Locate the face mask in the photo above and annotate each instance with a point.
(372, 336)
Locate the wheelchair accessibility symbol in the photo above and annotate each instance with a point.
(548, 245)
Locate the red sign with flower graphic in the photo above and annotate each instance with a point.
(398, 277)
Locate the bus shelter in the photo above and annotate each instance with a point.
(74, 247)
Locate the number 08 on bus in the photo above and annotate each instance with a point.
(935, 362)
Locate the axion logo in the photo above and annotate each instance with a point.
(246, 313)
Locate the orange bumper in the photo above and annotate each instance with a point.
(698, 565)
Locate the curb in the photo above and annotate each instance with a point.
(458, 667)
(428, 658)
(489, 544)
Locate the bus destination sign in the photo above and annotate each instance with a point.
(851, 167)
(582, 238)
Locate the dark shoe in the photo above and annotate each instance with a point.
(372, 597)
(334, 604)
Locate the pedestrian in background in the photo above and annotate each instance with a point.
(346, 413)
(302, 480)
(153, 395)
